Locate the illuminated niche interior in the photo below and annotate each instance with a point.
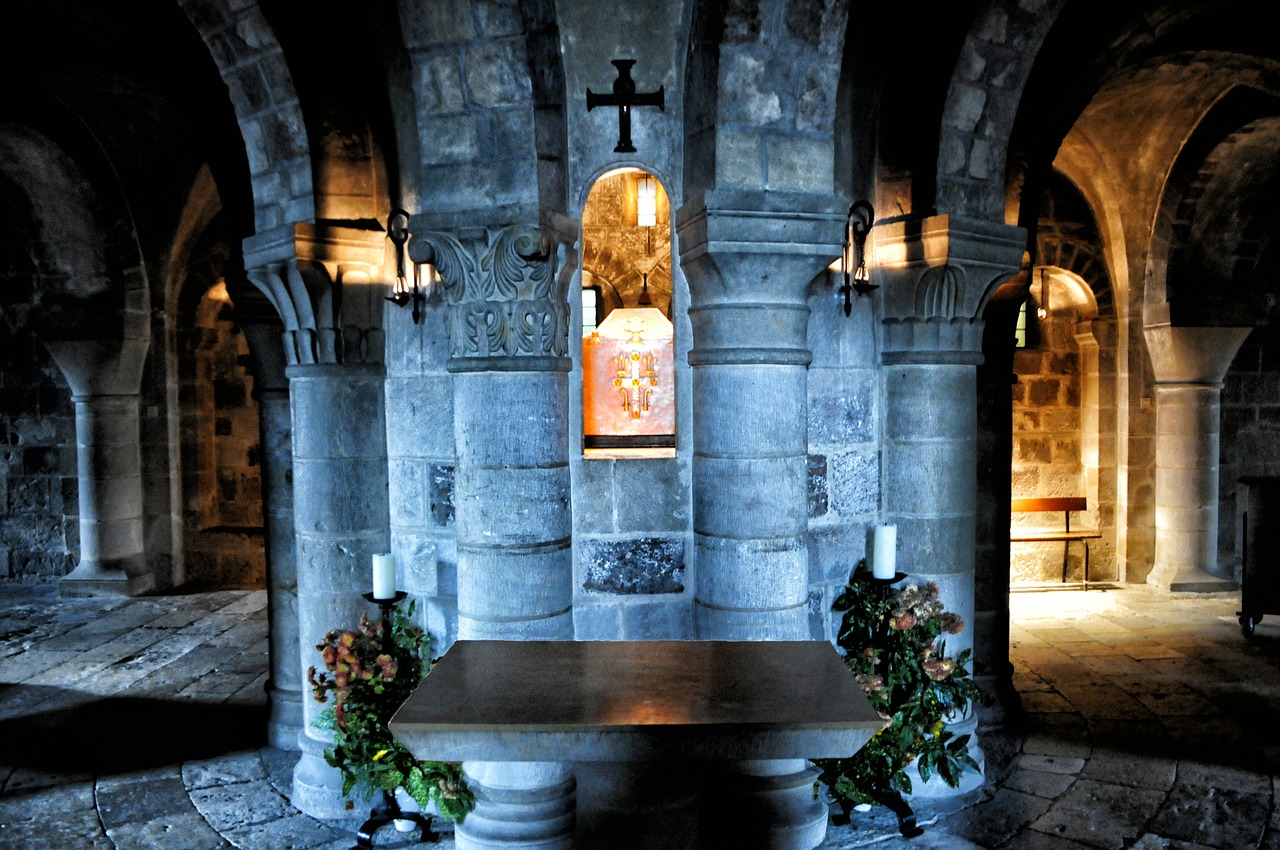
(628, 353)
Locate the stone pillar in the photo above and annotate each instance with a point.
(936, 276)
(321, 281)
(421, 461)
(105, 377)
(1190, 365)
(508, 338)
(340, 522)
(271, 390)
(749, 271)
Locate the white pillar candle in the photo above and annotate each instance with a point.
(884, 555)
(384, 576)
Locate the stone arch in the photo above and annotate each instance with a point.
(1059, 248)
(1216, 216)
(217, 515)
(492, 135)
(982, 103)
(89, 272)
(1061, 400)
(345, 104)
(91, 299)
(756, 116)
(622, 274)
(260, 85)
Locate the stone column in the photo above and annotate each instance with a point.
(321, 281)
(1190, 365)
(340, 522)
(421, 461)
(936, 275)
(105, 377)
(749, 272)
(508, 338)
(271, 390)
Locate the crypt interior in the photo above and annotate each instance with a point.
(284, 288)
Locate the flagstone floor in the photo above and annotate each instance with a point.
(1148, 721)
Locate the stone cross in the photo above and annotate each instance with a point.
(624, 97)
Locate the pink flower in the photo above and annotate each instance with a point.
(903, 621)
(871, 684)
(389, 667)
(938, 669)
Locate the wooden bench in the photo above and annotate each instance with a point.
(1066, 505)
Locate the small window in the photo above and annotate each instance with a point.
(590, 309)
(1020, 330)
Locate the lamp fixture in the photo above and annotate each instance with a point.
(646, 201)
(1042, 312)
(644, 300)
(854, 260)
(404, 292)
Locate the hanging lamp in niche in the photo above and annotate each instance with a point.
(646, 201)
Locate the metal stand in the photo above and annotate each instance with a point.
(389, 811)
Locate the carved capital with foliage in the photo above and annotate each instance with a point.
(504, 294)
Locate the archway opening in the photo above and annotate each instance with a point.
(1055, 426)
(223, 542)
(628, 352)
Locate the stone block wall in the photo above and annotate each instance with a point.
(1048, 443)
(1249, 442)
(222, 513)
(632, 522)
(39, 510)
(422, 465)
(844, 452)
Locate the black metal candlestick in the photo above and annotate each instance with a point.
(388, 810)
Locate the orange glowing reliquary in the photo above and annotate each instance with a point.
(628, 376)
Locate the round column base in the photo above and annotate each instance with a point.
(529, 805)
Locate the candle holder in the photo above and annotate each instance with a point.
(388, 810)
(388, 642)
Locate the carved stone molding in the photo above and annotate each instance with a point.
(327, 284)
(936, 276)
(505, 298)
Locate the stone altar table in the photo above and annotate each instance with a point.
(641, 721)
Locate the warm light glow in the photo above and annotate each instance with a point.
(428, 278)
(627, 371)
(647, 201)
(615, 172)
(654, 711)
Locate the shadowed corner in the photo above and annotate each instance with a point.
(67, 731)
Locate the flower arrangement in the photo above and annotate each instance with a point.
(364, 686)
(895, 644)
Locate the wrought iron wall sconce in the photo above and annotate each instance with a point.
(404, 291)
(854, 260)
(1042, 311)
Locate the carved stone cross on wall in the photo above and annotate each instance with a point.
(624, 97)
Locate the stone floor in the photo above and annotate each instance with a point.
(1148, 722)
